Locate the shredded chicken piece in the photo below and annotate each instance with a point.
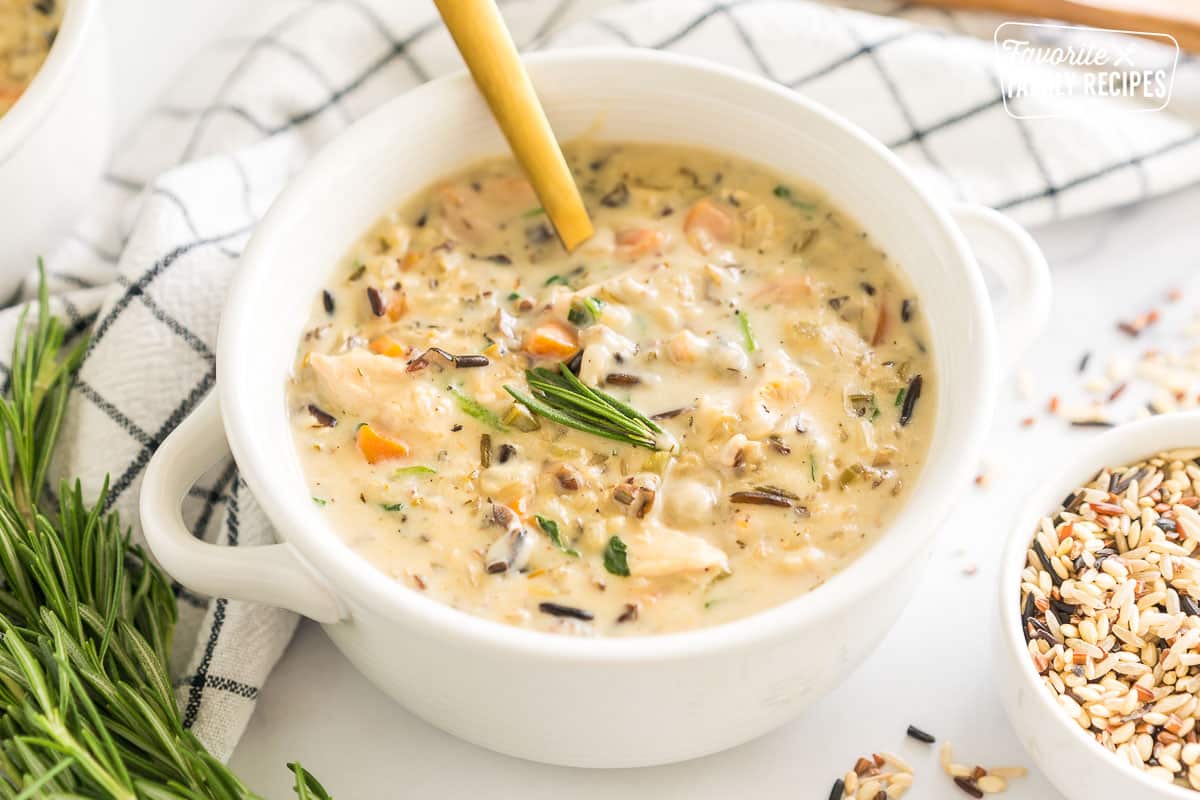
(656, 551)
(373, 388)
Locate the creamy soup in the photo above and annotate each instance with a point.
(709, 408)
(27, 29)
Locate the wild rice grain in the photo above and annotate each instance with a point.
(968, 786)
(558, 610)
(920, 735)
(838, 790)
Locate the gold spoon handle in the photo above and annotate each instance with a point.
(486, 46)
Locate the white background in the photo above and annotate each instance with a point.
(937, 667)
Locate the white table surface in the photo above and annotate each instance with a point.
(935, 669)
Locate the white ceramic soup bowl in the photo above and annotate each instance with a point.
(54, 142)
(1077, 766)
(574, 701)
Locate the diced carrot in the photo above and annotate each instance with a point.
(397, 304)
(637, 242)
(791, 289)
(707, 223)
(552, 340)
(409, 260)
(520, 506)
(387, 346)
(376, 447)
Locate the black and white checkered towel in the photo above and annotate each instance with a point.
(146, 271)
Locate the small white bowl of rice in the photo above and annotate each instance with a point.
(1100, 616)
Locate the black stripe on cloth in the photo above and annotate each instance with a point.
(200, 679)
(178, 328)
(247, 191)
(400, 46)
(551, 20)
(147, 277)
(1132, 161)
(306, 63)
(143, 457)
(236, 71)
(186, 595)
(186, 214)
(214, 497)
(224, 684)
(398, 49)
(114, 413)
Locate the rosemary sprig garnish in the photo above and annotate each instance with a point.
(563, 398)
(87, 708)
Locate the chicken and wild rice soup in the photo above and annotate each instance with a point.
(709, 408)
(27, 30)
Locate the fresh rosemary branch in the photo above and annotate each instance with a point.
(87, 709)
(563, 398)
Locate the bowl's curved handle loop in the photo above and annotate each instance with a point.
(273, 574)
(1006, 249)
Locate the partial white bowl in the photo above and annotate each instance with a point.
(1074, 762)
(54, 143)
(584, 702)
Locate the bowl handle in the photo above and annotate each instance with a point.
(1006, 249)
(273, 574)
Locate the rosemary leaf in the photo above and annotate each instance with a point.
(473, 408)
(85, 620)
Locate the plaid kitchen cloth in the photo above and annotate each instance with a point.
(144, 274)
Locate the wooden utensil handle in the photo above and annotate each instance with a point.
(488, 49)
(1179, 18)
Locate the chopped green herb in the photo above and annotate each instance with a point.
(473, 408)
(417, 469)
(320, 501)
(747, 332)
(785, 193)
(900, 396)
(851, 474)
(521, 418)
(514, 296)
(392, 506)
(812, 465)
(536, 211)
(863, 404)
(585, 312)
(559, 279)
(579, 316)
(710, 603)
(359, 269)
(551, 529)
(616, 558)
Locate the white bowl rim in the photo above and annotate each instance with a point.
(1082, 467)
(340, 566)
(50, 79)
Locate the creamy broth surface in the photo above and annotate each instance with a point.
(785, 359)
(27, 30)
